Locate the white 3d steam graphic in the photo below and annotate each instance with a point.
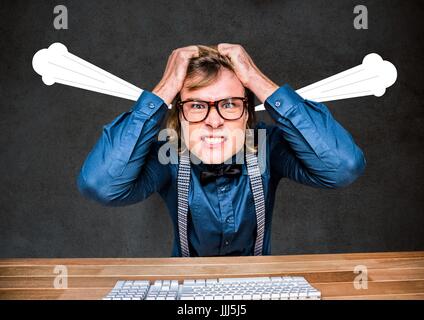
(57, 65)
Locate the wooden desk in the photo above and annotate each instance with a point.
(394, 275)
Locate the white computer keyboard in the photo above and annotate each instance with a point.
(264, 288)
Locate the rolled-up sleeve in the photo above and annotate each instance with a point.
(308, 145)
(123, 167)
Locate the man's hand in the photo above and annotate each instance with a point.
(175, 73)
(247, 72)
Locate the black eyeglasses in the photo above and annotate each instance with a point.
(198, 110)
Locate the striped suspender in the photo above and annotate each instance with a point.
(258, 199)
(183, 185)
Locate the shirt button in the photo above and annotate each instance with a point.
(277, 103)
(228, 219)
(226, 243)
(151, 105)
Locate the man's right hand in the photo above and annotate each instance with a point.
(175, 73)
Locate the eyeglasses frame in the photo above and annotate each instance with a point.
(212, 104)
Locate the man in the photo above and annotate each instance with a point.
(218, 207)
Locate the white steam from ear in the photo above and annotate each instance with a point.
(57, 65)
(372, 77)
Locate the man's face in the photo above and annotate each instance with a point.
(215, 139)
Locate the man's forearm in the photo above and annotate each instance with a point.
(261, 86)
(324, 147)
(121, 150)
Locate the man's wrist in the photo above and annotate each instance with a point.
(165, 93)
(261, 86)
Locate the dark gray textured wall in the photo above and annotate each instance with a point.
(46, 132)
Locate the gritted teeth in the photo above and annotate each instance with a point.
(214, 139)
(212, 136)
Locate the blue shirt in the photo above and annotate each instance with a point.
(306, 144)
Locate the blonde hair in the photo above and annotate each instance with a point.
(201, 72)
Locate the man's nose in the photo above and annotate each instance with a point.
(214, 119)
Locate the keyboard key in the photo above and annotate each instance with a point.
(201, 282)
(275, 296)
(284, 296)
(266, 296)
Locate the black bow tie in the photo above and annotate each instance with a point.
(215, 171)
